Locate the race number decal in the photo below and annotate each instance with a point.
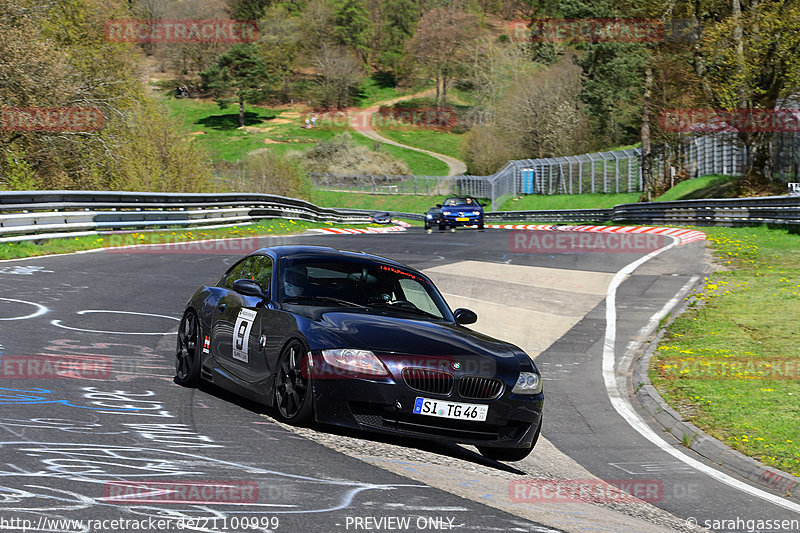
(241, 332)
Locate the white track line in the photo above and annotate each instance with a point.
(622, 405)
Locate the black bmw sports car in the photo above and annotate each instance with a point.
(359, 341)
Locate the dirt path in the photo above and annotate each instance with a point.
(361, 122)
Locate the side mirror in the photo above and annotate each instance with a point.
(438, 205)
(248, 287)
(465, 316)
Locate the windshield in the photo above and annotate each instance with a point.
(459, 201)
(353, 283)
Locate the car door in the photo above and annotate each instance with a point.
(237, 322)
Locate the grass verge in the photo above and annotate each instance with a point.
(731, 363)
(568, 201)
(261, 228)
(379, 202)
(711, 186)
(441, 142)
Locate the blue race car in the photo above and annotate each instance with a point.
(460, 211)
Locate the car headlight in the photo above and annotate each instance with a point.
(528, 383)
(361, 361)
(446, 213)
(429, 217)
(476, 213)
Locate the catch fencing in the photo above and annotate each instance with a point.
(615, 171)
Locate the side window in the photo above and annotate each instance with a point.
(264, 271)
(417, 295)
(257, 268)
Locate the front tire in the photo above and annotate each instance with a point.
(293, 396)
(187, 353)
(511, 454)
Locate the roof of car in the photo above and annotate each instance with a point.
(323, 252)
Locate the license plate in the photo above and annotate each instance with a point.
(462, 219)
(459, 411)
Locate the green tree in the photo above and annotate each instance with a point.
(279, 47)
(249, 9)
(239, 69)
(400, 17)
(747, 59)
(352, 26)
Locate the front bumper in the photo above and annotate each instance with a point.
(385, 405)
(458, 221)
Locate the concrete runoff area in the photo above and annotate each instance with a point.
(539, 306)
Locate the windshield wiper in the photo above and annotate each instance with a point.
(327, 299)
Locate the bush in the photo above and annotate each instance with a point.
(341, 155)
(19, 175)
(268, 172)
(484, 151)
(156, 156)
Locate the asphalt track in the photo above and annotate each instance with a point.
(67, 444)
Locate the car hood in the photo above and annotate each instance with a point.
(392, 334)
(462, 207)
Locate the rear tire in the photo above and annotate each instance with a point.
(187, 353)
(293, 398)
(511, 454)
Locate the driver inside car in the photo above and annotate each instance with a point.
(295, 281)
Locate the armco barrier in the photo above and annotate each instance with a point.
(36, 215)
(782, 210)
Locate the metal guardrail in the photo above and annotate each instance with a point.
(782, 210)
(594, 216)
(38, 215)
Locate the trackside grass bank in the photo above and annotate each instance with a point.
(262, 228)
(731, 363)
